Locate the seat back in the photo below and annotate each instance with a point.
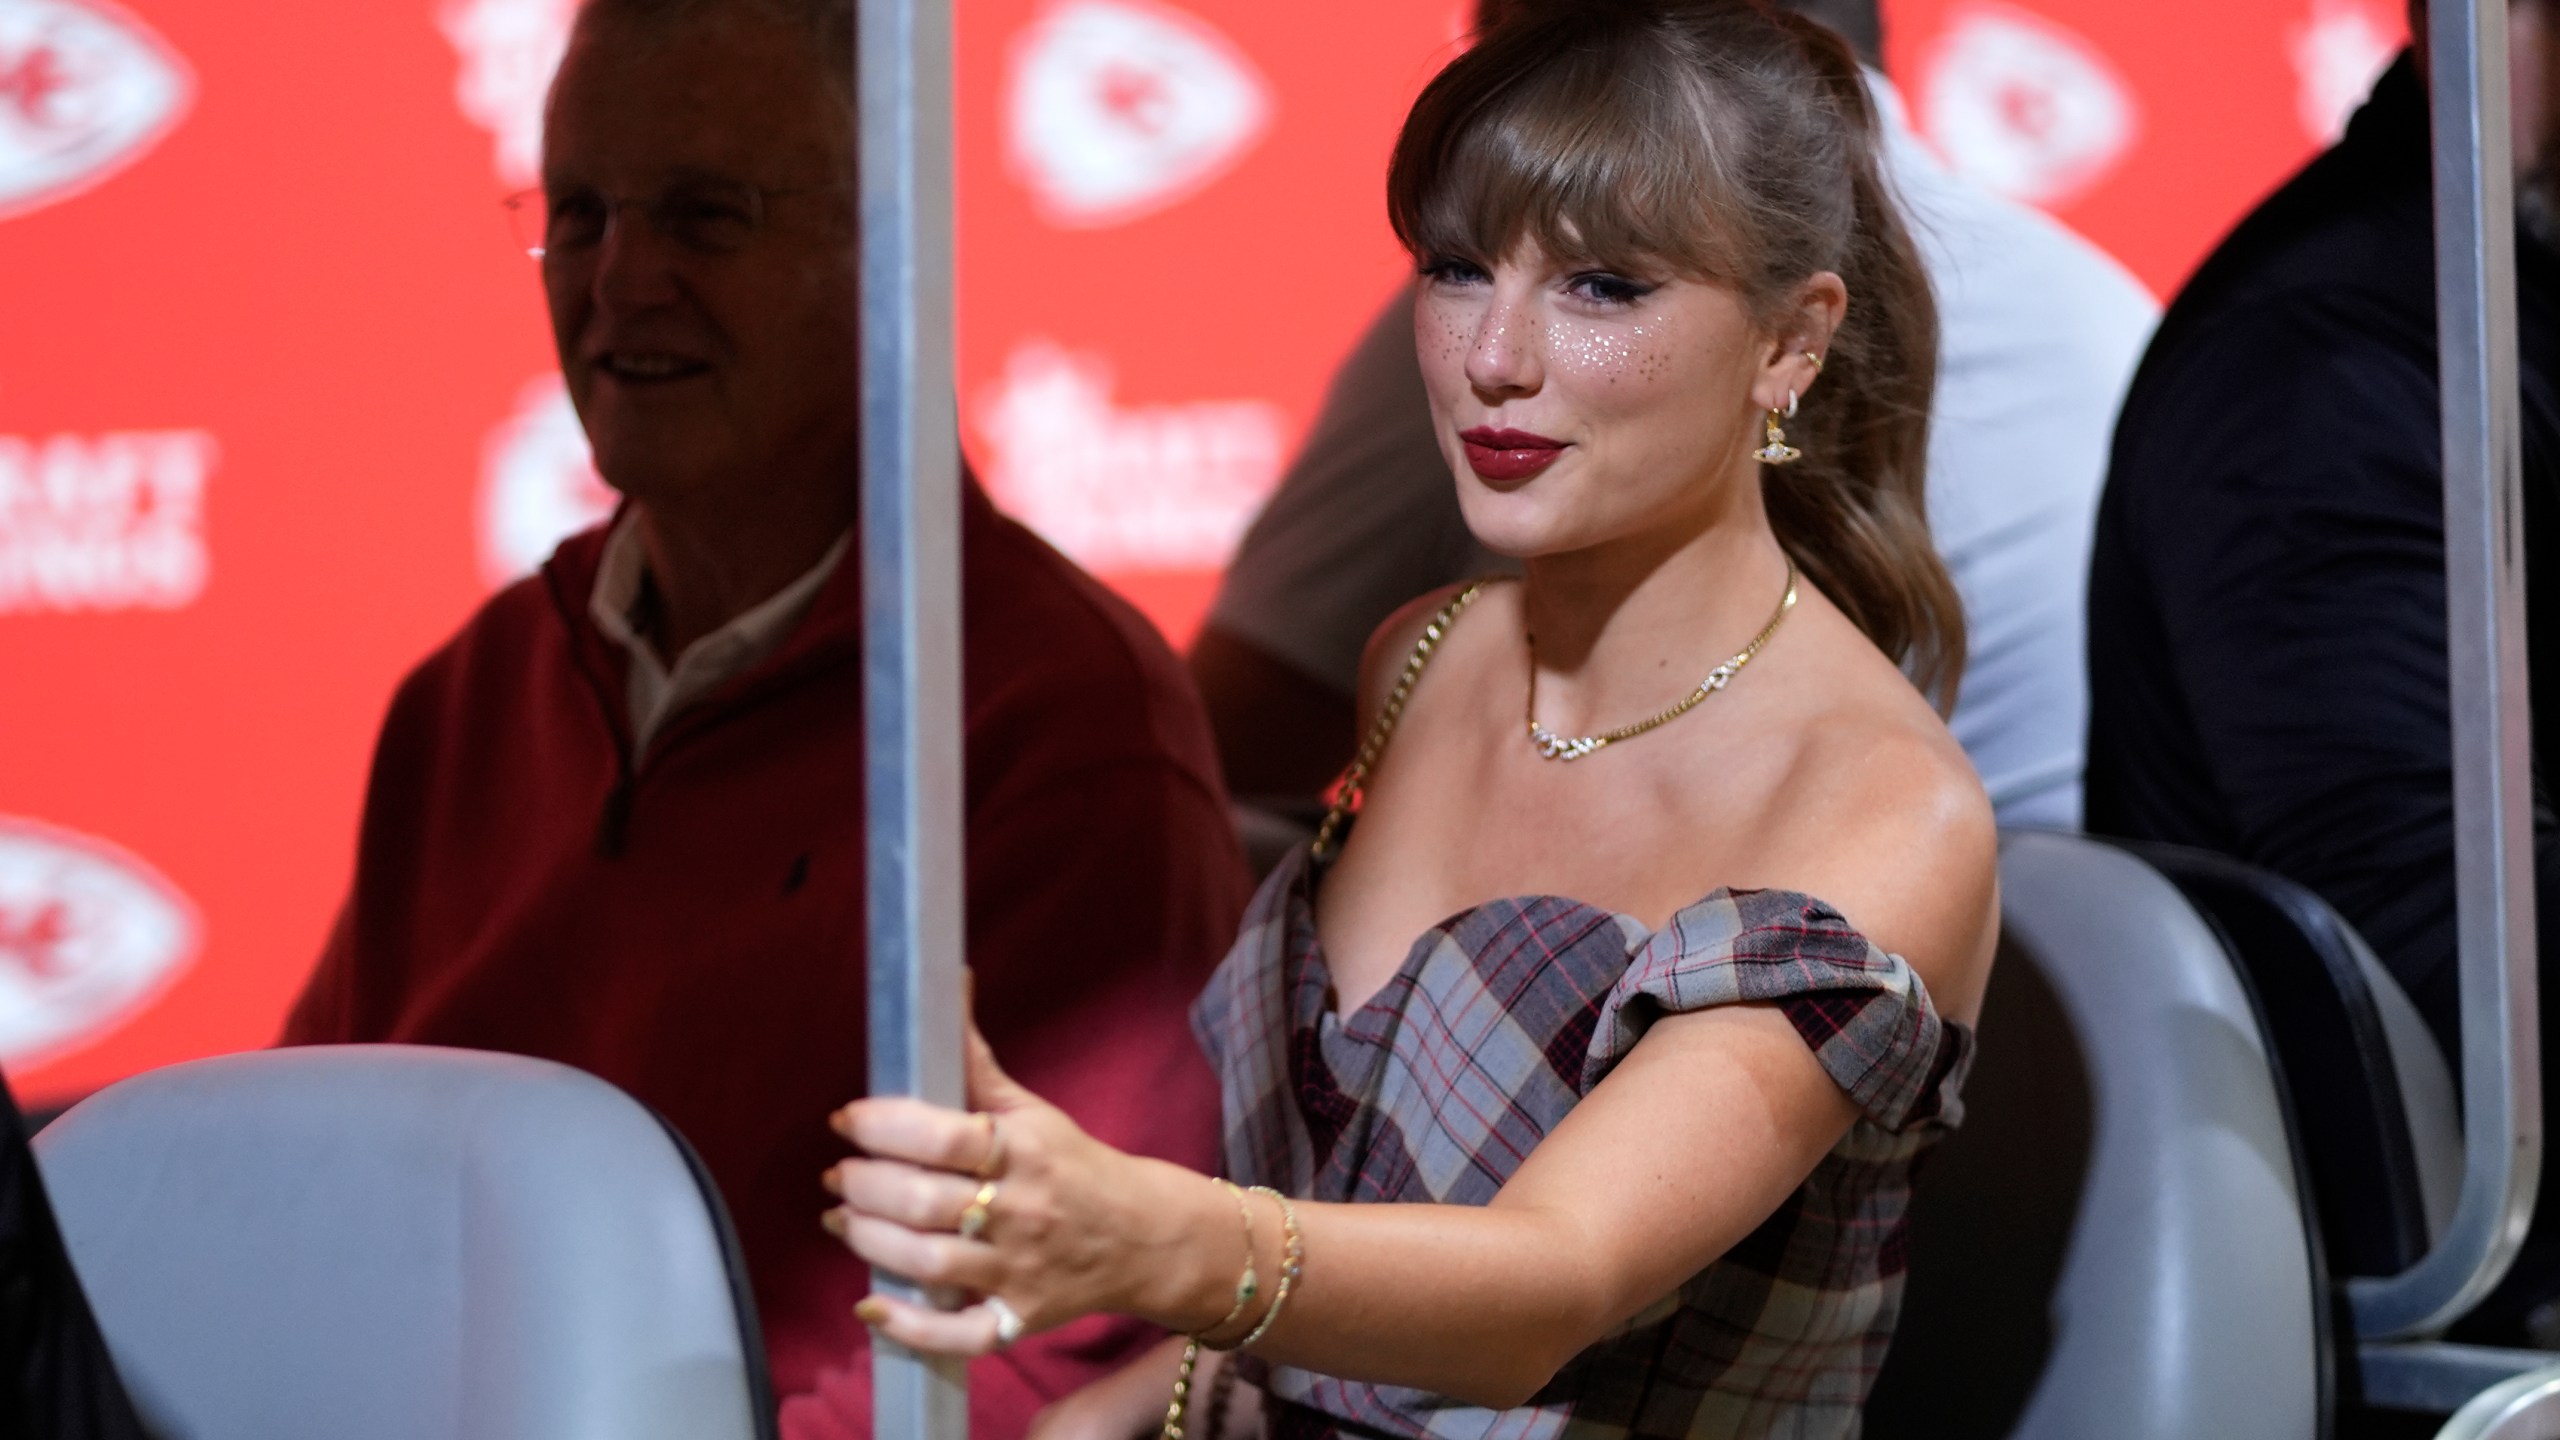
(2115, 1244)
(404, 1243)
(2381, 1130)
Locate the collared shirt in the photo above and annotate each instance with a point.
(2038, 332)
(655, 691)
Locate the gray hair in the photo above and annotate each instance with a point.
(829, 25)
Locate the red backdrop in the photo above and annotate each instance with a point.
(276, 407)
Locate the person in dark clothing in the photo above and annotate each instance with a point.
(2267, 593)
(56, 1379)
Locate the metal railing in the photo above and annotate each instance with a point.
(910, 556)
(2485, 633)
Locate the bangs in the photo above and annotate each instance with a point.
(1604, 150)
(1731, 142)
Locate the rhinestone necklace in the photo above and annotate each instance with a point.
(1552, 746)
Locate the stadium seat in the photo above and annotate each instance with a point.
(403, 1243)
(2380, 1126)
(2373, 1103)
(2115, 1246)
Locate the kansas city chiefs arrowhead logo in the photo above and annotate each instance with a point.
(85, 90)
(1122, 107)
(2025, 107)
(88, 935)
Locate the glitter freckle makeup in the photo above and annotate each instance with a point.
(1609, 353)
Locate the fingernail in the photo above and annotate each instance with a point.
(841, 1122)
(835, 1222)
(827, 1180)
(872, 1311)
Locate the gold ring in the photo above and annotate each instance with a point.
(993, 1165)
(973, 1220)
(1817, 361)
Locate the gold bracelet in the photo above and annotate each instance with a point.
(1293, 1259)
(1249, 1284)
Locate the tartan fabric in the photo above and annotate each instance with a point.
(1501, 1018)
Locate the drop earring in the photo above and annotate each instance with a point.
(1778, 451)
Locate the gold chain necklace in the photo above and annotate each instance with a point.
(1552, 746)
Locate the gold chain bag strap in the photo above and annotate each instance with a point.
(1355, 781)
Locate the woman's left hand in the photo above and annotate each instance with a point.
(1064, 1225)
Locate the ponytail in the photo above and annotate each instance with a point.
(1854, 512)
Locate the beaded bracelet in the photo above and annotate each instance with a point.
(1293, 1259)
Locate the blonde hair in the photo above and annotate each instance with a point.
(1736, 143)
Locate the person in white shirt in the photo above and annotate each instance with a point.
(2040, 334)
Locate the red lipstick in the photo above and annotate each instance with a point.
(1508, 454)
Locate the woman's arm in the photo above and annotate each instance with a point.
(1683, 1149)
(1674, 1157)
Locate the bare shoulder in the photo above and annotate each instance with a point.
(1391, 646)
(1884, 818)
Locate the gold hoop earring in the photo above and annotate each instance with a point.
(1777, 451)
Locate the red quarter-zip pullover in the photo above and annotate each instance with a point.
(692, 929)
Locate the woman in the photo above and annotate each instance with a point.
(1653, 1148)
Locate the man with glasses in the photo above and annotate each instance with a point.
(618, 820)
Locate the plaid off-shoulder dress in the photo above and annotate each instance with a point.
(1501, 1018)
(1504, 1016)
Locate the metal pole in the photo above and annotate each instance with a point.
(910, 551)
(2492, 737)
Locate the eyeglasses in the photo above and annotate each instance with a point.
(707, 217)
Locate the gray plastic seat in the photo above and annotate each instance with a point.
(2373, 1097)
(402, 1243)
(2115, 1246)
